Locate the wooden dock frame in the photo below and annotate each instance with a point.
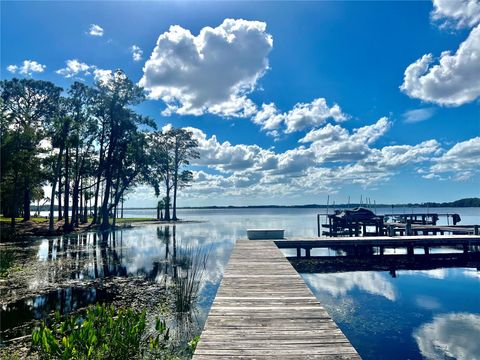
(264, 310)
(362, 245)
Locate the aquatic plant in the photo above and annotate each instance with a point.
(102, 333)
(190, 264)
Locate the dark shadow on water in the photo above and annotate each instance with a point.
(391, 263)
(39, 307)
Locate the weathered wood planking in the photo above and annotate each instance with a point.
(264, 310)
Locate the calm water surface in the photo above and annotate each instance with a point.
(432, 314)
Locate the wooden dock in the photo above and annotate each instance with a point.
(359, 243)
(264, 310)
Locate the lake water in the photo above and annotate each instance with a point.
(431, 314)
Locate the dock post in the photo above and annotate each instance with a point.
(391, 230)
(408, 228)
(318, 225)
(410, 251)
(307, 252)
(299, 252)
(382, 250)
(475, 230)
(426, 250)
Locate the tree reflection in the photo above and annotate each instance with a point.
(185, 271)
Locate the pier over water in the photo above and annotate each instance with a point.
(264, 310)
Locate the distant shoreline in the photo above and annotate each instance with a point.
(454, 204)
(467, 202)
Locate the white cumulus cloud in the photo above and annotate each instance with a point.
(334, 143)
(76, 68)
(95, 30)
(456, 13)
(302, 116)
(73, 68)
(250, 170)
(102, 75)
(210, 72)
(453, 81)
(28, 67)
(137, 53)
(461, 160)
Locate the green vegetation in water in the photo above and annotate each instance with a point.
(7, 260)
(104, 333)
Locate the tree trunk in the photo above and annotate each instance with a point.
(114, 222)
(76, 184)
(54, 184)
(167, 203)
(174, 217)
(175, 183)
(74, 220)
(14, 201)
(60, 209)
(95, 203)
(26, 200)
(99, 177)
(85, 208)
(66, 224)
(80, 210)
(121, 213)
(105, 208)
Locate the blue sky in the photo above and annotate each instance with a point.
(252, 87)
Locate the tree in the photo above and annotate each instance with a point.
(171, 150)
(160, 207)
(116, 95)
(83, 131)
(184, 149)
(161, 166)
(59, 133)
(28, 107)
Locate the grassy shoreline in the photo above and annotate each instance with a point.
(38, 226)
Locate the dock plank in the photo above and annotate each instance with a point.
(263, 309)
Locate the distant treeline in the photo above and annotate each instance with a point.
(467, 202)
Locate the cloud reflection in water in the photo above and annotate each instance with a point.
(453, 335)
(338, 284)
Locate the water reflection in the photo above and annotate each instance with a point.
(39, 307)
(373, 309)
(341, 283)
(159, 254)
(447, 336)
(427, 302)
